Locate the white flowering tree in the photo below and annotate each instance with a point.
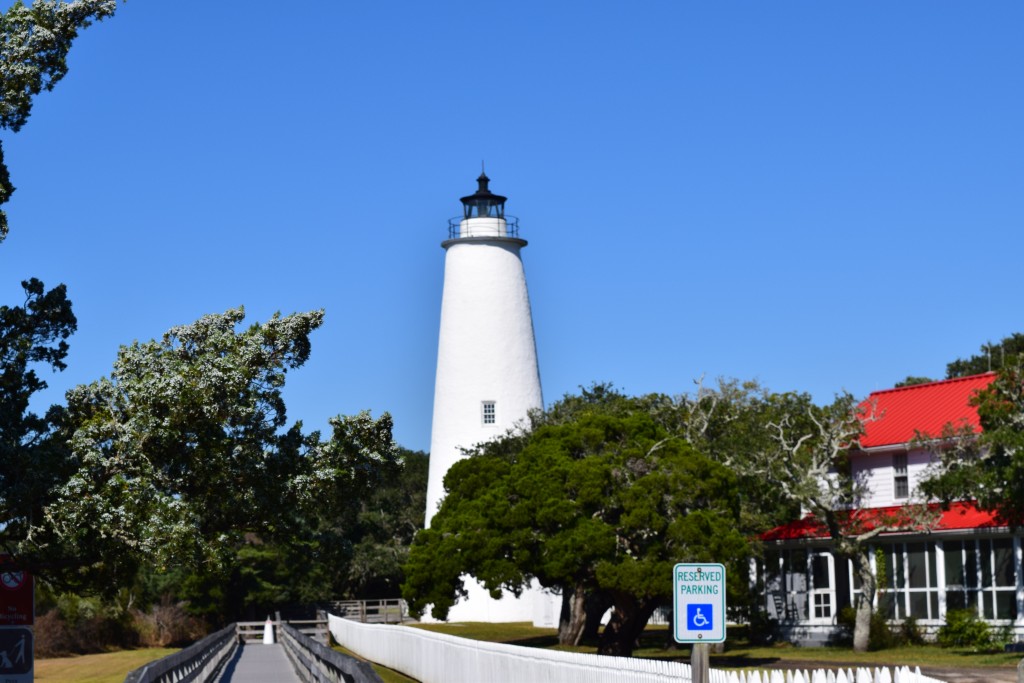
(34, 44)
(185, 451)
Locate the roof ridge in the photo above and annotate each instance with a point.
(923, 385)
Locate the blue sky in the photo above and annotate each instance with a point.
(822, 196)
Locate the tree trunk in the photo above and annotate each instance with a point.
(565, 615)
(598, 603)
(868, 584)
(573, 618)
(629, 618)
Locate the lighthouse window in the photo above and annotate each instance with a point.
(488, 412)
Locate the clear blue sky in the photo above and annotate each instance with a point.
(820, 195)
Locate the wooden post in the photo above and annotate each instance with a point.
(700, 663)
(1020, 672)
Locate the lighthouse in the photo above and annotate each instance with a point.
(487, 376)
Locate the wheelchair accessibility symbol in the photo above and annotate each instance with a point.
(699, 617)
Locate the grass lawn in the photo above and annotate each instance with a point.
(740, 654)
(112, 667)
(109, 667)
(386, 675)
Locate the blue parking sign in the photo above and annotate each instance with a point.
(700, 616)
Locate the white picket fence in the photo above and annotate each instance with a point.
(439, 658)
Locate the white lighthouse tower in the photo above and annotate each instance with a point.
(487, 377)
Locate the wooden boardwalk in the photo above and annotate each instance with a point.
(258, 663)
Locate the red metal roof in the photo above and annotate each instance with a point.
(925, 408)
(958, 516)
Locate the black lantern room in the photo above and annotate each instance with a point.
(483, 203)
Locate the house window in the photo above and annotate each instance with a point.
(798, 585)
(822, 605)
(488, 412)
(998, 579)
(910, 581)
(982, 572)
(900, 483)
(821, 585)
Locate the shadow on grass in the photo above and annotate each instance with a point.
(742, 661)
(536, 641)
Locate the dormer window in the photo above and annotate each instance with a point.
(900, 481)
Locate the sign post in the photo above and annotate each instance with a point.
(17, 614)
(699, 611)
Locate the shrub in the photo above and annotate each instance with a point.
(762, 629)
(846, 620)
(80, 632)
(910, 632)
(78, 625)
(167, 624)
(964, 629)
(53, 637)
(881, 635)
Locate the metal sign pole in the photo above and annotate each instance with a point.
(698, 610)
(700, 663)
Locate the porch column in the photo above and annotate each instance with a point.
(940, 577)
(1019, 567)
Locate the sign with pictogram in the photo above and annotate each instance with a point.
(15, 654)
(699, 603)
(17, 607)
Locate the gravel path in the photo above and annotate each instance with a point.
(972, 675)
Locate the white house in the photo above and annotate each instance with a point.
(965, 560)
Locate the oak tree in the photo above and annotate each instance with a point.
(599, 498)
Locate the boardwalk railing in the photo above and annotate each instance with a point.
(252, 631)
(197, 662)
(389, 611)
(313, 661)
(440, 658)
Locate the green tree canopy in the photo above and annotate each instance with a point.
(912, 380)
(184, 454)
(32, 462)
(991, 357)
(381, 526)
(599, 498)
(987, 467)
